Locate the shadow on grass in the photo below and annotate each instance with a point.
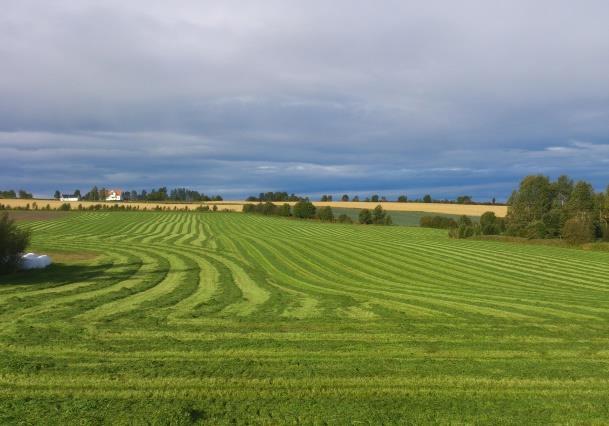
(59, 273)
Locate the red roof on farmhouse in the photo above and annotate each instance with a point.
(117, 191)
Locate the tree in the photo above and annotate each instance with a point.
(554, 221)
(561, 191)
(581, 201)
(402, 199)
(374, 198)
(378, 215)
(77, 193)
(345, 198)
(365, 217)
(355, 199)
(427, 198)
(25, 195)
(464, 199)
(325, 214)
(604, 214)
(530, 202)
(57, 195)
(13, 242)
(93, 195)
(304, 210)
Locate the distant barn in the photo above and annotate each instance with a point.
(69, 197)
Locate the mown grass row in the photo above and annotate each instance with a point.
(222, 318)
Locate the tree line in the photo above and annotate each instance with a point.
(11, 193)
(543, 209)
(275, 196)
(427, 198)
(160, 194)
(304, 209)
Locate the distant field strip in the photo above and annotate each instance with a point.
(229, 318)
(439, 208)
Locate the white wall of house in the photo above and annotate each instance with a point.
(114, 196)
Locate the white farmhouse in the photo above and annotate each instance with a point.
(69, 197)
(114, 195)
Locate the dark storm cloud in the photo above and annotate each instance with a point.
(310, 97)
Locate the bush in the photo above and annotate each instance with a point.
(284, 210)
(365, 217)
(380, 217)
(437, 222)
(304, 210)
(343, 218)
(65, 207)
(325, 214)
(247, 208)
(578, 230)
(535, 230)
(491, 224)
(465, 228)
(268, 208)
(13, 241)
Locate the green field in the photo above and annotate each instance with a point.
(232, 318)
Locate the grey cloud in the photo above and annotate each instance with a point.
(310, 96)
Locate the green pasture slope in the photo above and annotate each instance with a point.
(230, 318)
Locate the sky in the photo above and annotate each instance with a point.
(311, 97)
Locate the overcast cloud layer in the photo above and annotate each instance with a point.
(309, 97)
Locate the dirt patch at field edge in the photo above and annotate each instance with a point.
(31, 215)
(60, 256)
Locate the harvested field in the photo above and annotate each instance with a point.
(41, 203)
(223, 318)
(448, 209)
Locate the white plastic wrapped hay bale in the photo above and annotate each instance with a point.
(34, 261)
(44, 261)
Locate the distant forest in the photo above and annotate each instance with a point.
(11, 193)
(374, 198)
